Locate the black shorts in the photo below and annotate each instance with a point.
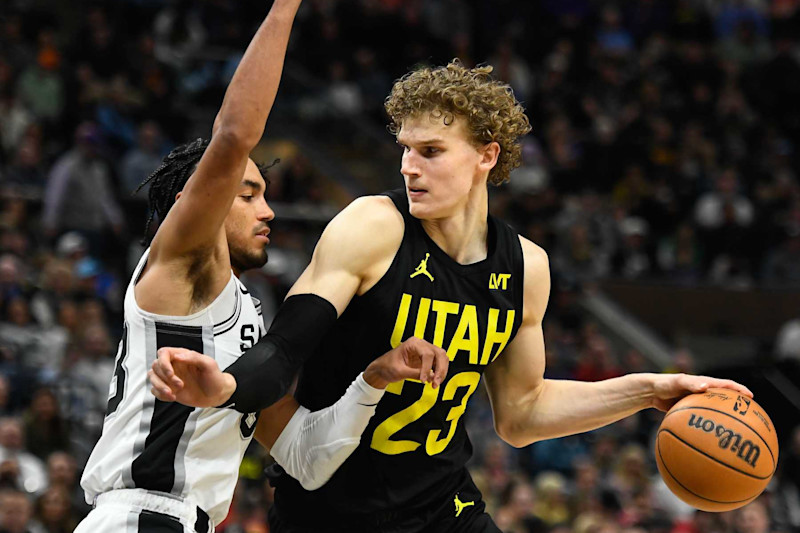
(439, 517)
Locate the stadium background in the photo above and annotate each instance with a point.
(661, 176)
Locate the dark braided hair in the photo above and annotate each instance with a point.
(168, 179)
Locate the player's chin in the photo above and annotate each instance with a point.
(422, 211)
(255, 258)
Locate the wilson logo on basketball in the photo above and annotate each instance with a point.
(746, 451)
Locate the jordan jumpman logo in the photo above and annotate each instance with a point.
(460, 505)
(423, 268)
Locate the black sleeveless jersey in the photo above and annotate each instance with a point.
(415, 447)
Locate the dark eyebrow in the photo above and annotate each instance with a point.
(253, 184)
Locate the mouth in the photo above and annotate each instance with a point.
(416, 192)
(263, 235)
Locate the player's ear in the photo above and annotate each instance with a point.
(178, 195)
(489, 155)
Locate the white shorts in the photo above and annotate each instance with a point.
(142, 511)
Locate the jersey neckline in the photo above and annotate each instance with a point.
(484, 264)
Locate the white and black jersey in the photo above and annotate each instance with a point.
(167, 447)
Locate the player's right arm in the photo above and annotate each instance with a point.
(195, 222)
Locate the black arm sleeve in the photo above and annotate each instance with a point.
(265, 372)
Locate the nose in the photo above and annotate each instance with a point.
(265, 212)
(409, 165)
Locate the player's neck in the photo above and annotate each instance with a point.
(464, 235)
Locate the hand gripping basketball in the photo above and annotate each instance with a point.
(188, 377)
(717, 450)
(669, 389)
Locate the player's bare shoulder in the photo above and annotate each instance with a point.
(368, 230)
(537, 280)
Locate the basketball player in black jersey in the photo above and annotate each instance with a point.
(429, 261)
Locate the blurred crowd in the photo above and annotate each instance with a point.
(664, 148)
(664, 138)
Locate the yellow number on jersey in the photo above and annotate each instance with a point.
(381, 437)
(465, 379)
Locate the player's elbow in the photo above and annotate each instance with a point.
(512, 434)
(237, 135)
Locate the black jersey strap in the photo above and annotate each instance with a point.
(265, 372)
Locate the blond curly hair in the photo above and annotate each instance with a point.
(489, 107)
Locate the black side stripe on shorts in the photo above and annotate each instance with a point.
(152, 522)
(154, 468)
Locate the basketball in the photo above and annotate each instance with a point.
(717, 450)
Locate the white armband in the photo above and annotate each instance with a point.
(313, 446)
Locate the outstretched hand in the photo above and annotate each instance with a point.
(669, 389)
(413, 359)
(190, 378)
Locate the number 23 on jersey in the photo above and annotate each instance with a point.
(435, 443)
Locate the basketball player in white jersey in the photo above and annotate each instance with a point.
(161, 466)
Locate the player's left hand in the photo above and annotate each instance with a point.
(413, 359)
(670, 388)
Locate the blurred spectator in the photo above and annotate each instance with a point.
(597, 361)
(732, 13)
(782, 265)
(53, 512)
(15, 512)
(14, 44)
(725, 216)
(578, 260)
(785, 499)
(45, 430)
(79, 192)
(518, 508)
(40, 86)
(494, 472)
(632, 259)
(18, 333)
(26, 173)
(98, 45)
(640, 511)
(680, 256)
(62, 471)
(631, 476)
(179, 34)
(556, 455)
(5, 390)
(787, 343)
(14, 118)
(745, 46)
(585, 495)
(613, 39)
(115, 113)
(753, 518)
(142, 160)
(551, 499)
(55, 285)
(30, 475)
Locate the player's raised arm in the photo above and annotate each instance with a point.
(196, 220)
(528, 408)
